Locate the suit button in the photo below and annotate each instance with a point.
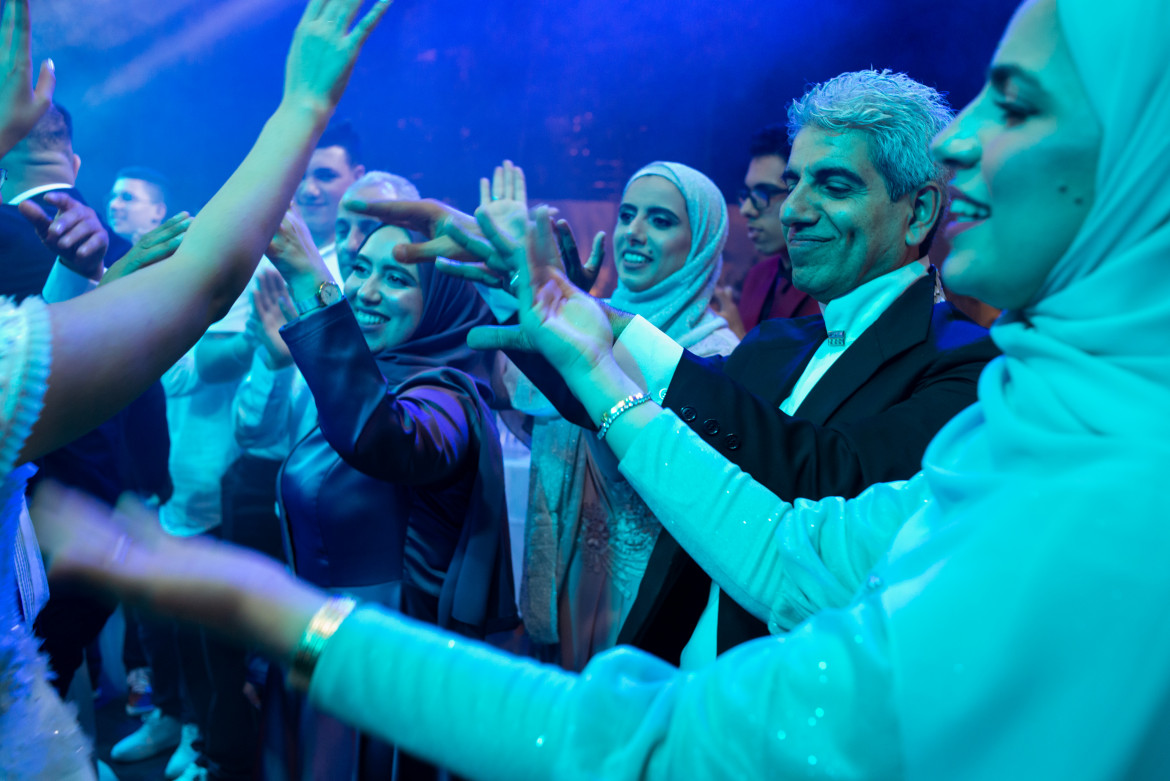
(731, 442)
(688, 414)
(711, 426)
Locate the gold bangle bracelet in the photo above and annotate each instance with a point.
(321, 627)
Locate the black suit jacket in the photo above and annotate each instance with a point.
(25, 262)
(867, 420)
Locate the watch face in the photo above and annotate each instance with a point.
(330, 293)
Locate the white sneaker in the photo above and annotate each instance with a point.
(185, 755)
(194, 773)
(157, 734)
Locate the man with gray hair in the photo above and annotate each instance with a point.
(352, 229)
(822, 406)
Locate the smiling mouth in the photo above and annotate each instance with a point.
(635, 258)
(369, 318)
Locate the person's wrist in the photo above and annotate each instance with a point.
(298, 107)
(304, 284)
(276, 359)
(600, 385)
(618, 320)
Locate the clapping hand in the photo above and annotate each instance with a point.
(21, 105)
(74, 234)
(324, 49)
(271, 310)
(153, 246)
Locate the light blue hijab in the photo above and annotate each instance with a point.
(1037, 635)
(679, 305)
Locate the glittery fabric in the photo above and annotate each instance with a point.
(39, 736)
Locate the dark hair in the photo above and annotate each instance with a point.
(343, 135)
(770, 140)
(158, 184)
(53, 132)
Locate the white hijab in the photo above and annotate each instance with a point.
(1032, 630)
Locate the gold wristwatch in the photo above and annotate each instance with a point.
(328, 293)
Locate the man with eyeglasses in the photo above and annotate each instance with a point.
(767, 288)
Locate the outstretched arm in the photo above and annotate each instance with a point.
(108, 346)
(821, 699)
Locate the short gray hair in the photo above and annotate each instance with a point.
(403, 188)
(900, 117)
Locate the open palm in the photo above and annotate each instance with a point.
(563, 322)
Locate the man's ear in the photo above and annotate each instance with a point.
(359, 171)
(76, 164)
(925, 211)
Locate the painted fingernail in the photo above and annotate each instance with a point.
(52, 65)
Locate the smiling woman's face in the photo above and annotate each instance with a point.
(652, 238)
(1025, 159)
(386, 296)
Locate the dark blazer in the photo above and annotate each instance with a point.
(25, 262)
(867, 420)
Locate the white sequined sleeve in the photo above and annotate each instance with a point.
(24, 374)
(782, 562)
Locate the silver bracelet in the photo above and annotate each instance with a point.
(321, 627)
(616, 411)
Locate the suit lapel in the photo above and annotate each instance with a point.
(771, 363)
(903, 325)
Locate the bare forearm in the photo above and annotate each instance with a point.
(108, 346)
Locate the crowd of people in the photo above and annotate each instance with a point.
(832, 526)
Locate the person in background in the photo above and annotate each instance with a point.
(137, 202)
(767, 290)
(351, 229)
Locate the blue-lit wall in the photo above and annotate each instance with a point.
(581, 92)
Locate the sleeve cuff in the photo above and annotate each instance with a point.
(643, 349)
(64, 283)
(502, 303)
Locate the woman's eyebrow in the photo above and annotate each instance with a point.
(999, 75)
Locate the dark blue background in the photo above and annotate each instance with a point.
(581, 93)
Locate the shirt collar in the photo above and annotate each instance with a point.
(35, 191)
(855, 311)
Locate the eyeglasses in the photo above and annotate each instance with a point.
(761, 195)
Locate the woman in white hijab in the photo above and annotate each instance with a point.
(1016, 626)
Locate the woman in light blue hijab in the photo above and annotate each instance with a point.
(588, 536)
(1008, 617)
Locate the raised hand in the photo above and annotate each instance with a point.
(292, 250)
(438, 221)
(324, 49)
(563, 322)
(74, 234)
(583, 275)
(271, 310)
(21, 104)
(151, 247)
